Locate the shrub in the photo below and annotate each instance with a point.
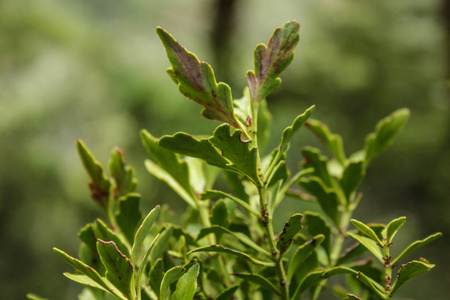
(224, 246)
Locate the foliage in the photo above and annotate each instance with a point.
(228, 247)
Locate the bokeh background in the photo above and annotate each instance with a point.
(95, 70)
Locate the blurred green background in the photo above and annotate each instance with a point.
(95, 70)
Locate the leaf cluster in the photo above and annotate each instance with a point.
(224, 245)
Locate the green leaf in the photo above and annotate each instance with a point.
(85, 280)
(263, 282)
(128, 215)
(188, 145)
(87, 236)
(370, 245)
(88, 271)
(187, 284)
(409, 271)
(350, 253)
(123, 175)
(34, 297)
(241, 156)
(326, 197)
(351, 296)
(196, 81)
(104, 233)
(219, 194)
(314, 159)
(372, 284)
(219, 214)
(280, 173)
(119, 269)
(142, 232)
(313, 278)
(99, 186)
(351, 177)
(417, 244)
(170, 277)
(228, 293)
(290, 131)
(161, 244)
(302, 254)
(385, 132)
(219, 248)
(88, 248)
(366, 230)
(316, 224)
(156, 274)
(270, 61)
(264, 125)
(168, 168)
(238, 235)
(392, 228)
(331, 140)
(290, 229)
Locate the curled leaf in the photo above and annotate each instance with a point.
(196, 81)
(271, 60)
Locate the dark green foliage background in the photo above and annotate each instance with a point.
(95, 70)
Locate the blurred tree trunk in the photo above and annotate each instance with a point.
(446, 17)
(221, 36)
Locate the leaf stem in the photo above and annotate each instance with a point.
(266, 220)
(204, 217)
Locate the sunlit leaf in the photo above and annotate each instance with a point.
(366, 230)
(187, 284)
(88, 271)
(142, 232)
(170, 277)
(370, 245)
(270, 61)
(385, 132)
(392, 228)
(196, 81)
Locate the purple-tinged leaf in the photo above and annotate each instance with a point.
(196, 81)
(99, 186)
(271, 60)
